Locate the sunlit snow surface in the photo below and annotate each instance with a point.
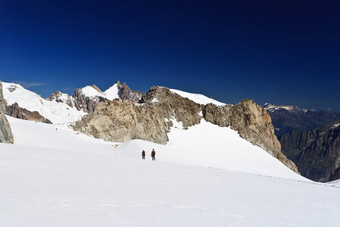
(54, 176)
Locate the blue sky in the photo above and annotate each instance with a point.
(282, 53)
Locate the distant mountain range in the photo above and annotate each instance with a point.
(310, 139)
(316, 152)
(288, 118)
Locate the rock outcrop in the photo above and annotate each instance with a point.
(252, 122)
(63, 98)
(315, 152)
(5, 129)
(122, 121)
(15, 111)
(152, 118)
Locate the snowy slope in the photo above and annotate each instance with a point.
(52, 110)
(61, 178)
(112, 92)
(217, 147)
(209, 145)
(198, 98)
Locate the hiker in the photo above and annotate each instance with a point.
(153, 154)
(143, 154)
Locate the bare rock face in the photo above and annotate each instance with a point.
(252, 122)
(5, 129)
(22, 113)
(125, 93)
(122, 121)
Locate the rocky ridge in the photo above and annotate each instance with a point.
(5, 129)
(151, 119)
(87, 98)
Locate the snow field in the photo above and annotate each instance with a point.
(212, 146)
(61, 178)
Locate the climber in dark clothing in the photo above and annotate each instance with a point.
(153, 154)
(143, 154)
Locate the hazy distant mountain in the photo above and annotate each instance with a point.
(287, 118)
(315, 152)
(309, 138)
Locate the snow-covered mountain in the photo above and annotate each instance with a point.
(290, 108)
(93, 92)
(56, 112)
(88, 97)
(83, 100)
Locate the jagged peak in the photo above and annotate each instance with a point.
(95, 87)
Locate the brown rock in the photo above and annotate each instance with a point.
(22, 113)
(252, 122)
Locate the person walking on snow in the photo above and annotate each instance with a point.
(143, 154)
(153, 154)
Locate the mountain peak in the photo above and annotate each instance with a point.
(272, 108)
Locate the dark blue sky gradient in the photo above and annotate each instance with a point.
(282, 52)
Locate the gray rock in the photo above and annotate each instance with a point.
(125, 93)
(5, 129)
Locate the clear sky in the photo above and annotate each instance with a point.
(282, 52)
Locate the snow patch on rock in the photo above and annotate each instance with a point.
(198, 98)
